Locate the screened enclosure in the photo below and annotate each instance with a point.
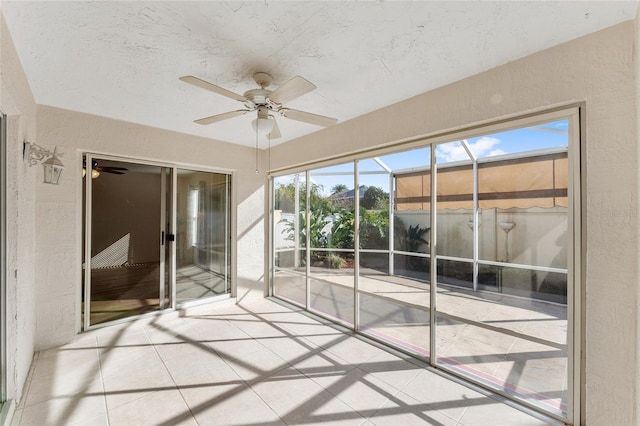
(459, 252)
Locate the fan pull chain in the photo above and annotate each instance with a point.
(269, 147)
(257, 171)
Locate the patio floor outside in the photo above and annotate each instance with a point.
(396, 310)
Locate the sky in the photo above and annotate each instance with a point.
(544, 136)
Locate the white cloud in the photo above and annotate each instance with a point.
(454, 151)
(495, 152)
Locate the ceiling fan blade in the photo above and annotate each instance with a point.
(212, 87)
(275, 133)
(114, 168)
(114, 172)
(307, 117)
(220, 117)
(292, 89)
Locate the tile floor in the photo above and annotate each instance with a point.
(259, 363)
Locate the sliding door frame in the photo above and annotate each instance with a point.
(88, 201)
(3, 258)
(230, 247)
(171, 200)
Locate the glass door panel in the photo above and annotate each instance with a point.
(289, 242)
(127, 205)
(393, 285)
(203, 235)
(331, 226)
(505, 323)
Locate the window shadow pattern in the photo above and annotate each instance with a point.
(260, 363)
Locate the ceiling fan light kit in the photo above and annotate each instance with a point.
(96, 169)
(266, 103)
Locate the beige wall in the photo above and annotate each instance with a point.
(600, 71)
(58, 253)
(17, 102)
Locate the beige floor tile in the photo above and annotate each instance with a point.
(122, 336)
(353, 350)
(165, 405)
(117, 361)
(257, 365)
(175, 331)
(65, 359)
(223, 364)
(298, 399)
(17, 416)
(322, 363)
(229, 405)
(196, 366)
(406, 411)
(63, 411)
(66, 384)
(495, 413)
(391, 369)
(123, 388)
(290, 348)
(101, 419)
(358, 389)
(437, 393)
(236, 347)
(257, 327)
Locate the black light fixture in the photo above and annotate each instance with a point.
(34, 154)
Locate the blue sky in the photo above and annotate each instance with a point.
(547, 135)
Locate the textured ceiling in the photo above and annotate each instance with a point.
(123, 59)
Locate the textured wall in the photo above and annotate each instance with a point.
(58, 208)
(598, 69)
(17, 102)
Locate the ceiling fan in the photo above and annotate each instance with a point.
(96, 169)
(267, 103)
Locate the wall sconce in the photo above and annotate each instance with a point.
(34, 154)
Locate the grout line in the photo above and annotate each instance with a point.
(104, 392)
(169, 373)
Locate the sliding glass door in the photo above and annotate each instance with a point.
(203, 261)
(155, 237)
(125, 239)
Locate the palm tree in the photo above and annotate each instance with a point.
(339, 187)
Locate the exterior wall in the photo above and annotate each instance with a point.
(599, 70)
(537, 239)
(17, 102)
(58, 255)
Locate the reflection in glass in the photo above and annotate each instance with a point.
(203, 235)
(125, 223)
(331, 285)
(530, 371)
(289, 275)
(332, 241)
